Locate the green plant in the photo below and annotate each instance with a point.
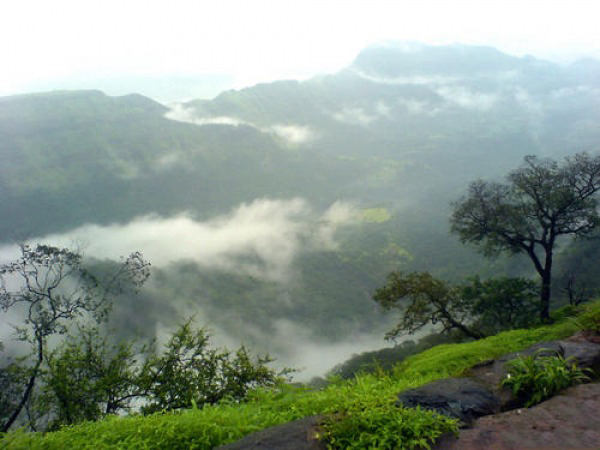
(386, 426)
(589, 318)
(538, 377)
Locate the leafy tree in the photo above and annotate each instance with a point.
(475, 309)
(87, 378)
(430, 301)
(189, 372)
(54, 290)
(540, 202)
(502, 303)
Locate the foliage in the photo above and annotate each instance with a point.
(54, 290)
(536, 378)
(387, 426)
(430, 301)
(386, 358)
(589, 317)
(474, 309)
(189, 372)
(541, 201)
(225, 422)
(87, 378)
(502, 303)
(11, 389)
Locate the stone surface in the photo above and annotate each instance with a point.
(460, 398)
(568, 421)
(297, 435)
(585, 336)
(490, 373)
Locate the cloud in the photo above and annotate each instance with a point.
(339, 214)
(291, 134)
(409, 80)
(260, 238)
(580, 90)
(354, 115)
(467, 98)
(413, 106)
(182, 113)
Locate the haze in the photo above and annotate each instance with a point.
(206, 47)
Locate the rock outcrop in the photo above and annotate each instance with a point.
(296, 435)
(569, 420)
(459, 398)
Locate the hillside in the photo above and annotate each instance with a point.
(359, 412)
(352, 172)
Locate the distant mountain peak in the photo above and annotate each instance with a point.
(413, 59)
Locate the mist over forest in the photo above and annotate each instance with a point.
(271, 214)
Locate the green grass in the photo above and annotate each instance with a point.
(375, 215)
(362, 412)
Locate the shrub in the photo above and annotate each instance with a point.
(538, 377)
(387, 426)
(589, 318)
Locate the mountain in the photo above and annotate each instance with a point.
(399, 133)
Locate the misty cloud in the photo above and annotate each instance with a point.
(260, 238)
(291, 134)
(409, 80)
(467, 98)
(354, 115)
(560, 94)
(181, 113)
(413, 106)
(314, 357)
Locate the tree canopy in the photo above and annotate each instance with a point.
(540, 201)
(474, 309)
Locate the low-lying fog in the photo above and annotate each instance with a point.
(260, 240)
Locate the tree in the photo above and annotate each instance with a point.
(52, 289)
(430, 301)
(190, 372)
(475, 309)
(87, 378)
(540, 202)
(501, 303)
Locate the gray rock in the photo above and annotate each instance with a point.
(585, 354)
(297, 435)
(459, 398)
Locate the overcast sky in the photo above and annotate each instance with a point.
(248, 41)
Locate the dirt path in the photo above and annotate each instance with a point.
(570, 420)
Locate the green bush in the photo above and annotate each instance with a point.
(387, 427)
(538, 377)
(589, 317)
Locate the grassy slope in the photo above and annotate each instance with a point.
(364, 404)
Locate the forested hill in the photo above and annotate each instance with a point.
(398, 134)
(399, 123)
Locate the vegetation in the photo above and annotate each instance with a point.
(54, 289)
(349, 402)
(82, 157)
(84, 377)
(536, 378)
(542, 201)
(474, 309)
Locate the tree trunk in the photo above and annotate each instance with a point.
(545, 301)
(545, 293)
(28, 389)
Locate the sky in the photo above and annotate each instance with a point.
(237, 43)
